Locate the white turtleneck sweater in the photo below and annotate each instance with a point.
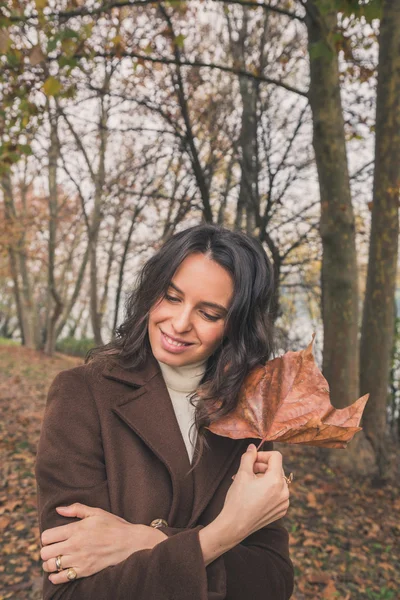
(181, 382)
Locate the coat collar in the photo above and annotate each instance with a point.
(148, 411)
(137, 376)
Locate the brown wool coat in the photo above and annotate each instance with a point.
(110, 439)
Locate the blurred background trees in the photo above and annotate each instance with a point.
(123, 122)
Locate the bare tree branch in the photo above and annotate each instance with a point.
(183, 103)
(84, 11)
(199, 63)
(299, 241)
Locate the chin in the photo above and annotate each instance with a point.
(175, 360)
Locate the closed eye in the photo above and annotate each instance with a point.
(209, 317)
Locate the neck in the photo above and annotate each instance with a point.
(184, 378)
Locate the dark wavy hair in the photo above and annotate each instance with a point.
(248, 338)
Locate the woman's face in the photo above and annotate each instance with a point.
(187, 325)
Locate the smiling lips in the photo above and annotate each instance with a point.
(174, 342)
(170, 344)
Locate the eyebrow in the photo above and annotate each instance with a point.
(210, 304)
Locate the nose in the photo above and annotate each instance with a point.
(182, 320)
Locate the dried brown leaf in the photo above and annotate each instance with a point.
(36, 55)
(287, 400)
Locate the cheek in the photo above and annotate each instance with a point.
(213, 335)
(157, 314)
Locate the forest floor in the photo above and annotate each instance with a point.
(344, 532)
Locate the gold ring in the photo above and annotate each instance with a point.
(58, 563)
(71, 574)
(158, 523)
(288, 479)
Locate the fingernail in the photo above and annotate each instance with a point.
(250, 448)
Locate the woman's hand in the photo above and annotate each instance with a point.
(259, 494)
(261, 463)
(100, 540)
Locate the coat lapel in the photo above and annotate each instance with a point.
(147, 409)
(211, 470)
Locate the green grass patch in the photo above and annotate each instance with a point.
(74, 347)
(383, 594)
(23, 445)
(8, 342)
(376, 546)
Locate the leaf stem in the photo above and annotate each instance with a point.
(260, 444)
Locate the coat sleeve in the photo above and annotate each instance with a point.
(259, 567)
(172, 570)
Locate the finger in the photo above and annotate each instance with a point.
(260, 467)
(61, 577)
(53, 550)
(77, 510)
(275, 461)
(50, 565)
(247, 460)
(57, 534)
(264, 456)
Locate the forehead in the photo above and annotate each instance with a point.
(204, 279)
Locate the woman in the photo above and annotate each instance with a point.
(131, 503)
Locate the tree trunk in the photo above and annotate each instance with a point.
(337, 228)
(122, 264)
(69, 305)
(76, 322)
(110, 261)
(26, 307)
(95, 309)
(17, 294)
(378, 314)
(339, 279)
(55, 304)
(247, 207)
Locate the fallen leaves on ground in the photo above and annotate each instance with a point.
(344, 532)
(25, 376)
